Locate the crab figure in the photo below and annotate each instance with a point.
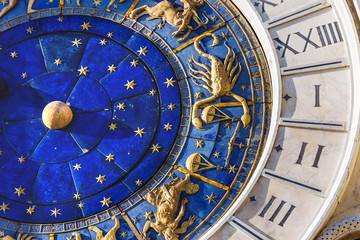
(219, 79)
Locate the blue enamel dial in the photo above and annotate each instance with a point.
(122, 127)
(149, 107)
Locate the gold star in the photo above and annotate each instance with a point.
(152, 92)
(103, 42)
(77, 167)
(24, 75)
(76, 42)
(4, 2)
(55, 212)
(160, 25)
(100, 179)
(171, 106)
(21, 159)
(135, 220)
(112, 68)
(217, 154)
(121, 106)
(85, 26)
(110, 35)
(130, 84)
(112, 126)
(210, 198)
(224, 35)
(30, 210)
(199, 144)
(148, 215)
(4, 207)
(169, 82)
(77, 196)
(2, 233)
(198, 95)
(142, 51)
(138, 182)
(171, 175)
(232, 169)
(227, 125)
(116, 6)
(14, 54)
(97, 2)
(134, 63)
(60, 19)
(110, 157)
(58, 61)
(70, 238)
(80, 205)
(123, 234)
(155, 148)
(106, 201)
(30, 30)
(83, 70)
(19, 191)
(1, 151)
(139, 132)
(167, 126)
(213, 18)
(243, 87)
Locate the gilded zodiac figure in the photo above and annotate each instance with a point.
(19, 237)
(167, 198)
(12, 4)
(179, 17)
(111, 235)
(111, 3)
(76, 235)
(62, 3)
(30, 9)
(219, 79)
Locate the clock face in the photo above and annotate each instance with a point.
(312, 54)
(166, 119)
(110, 118)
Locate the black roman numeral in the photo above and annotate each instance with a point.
(317, 157)
(277, 210)
(265, 2)
(307, 39)
(317, 95)
(328, 34)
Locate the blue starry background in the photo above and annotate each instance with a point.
(48, 174)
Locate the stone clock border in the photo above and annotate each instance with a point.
(340, 182)
(350, 155)
(272, 59)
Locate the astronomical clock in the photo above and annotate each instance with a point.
(164, 119)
